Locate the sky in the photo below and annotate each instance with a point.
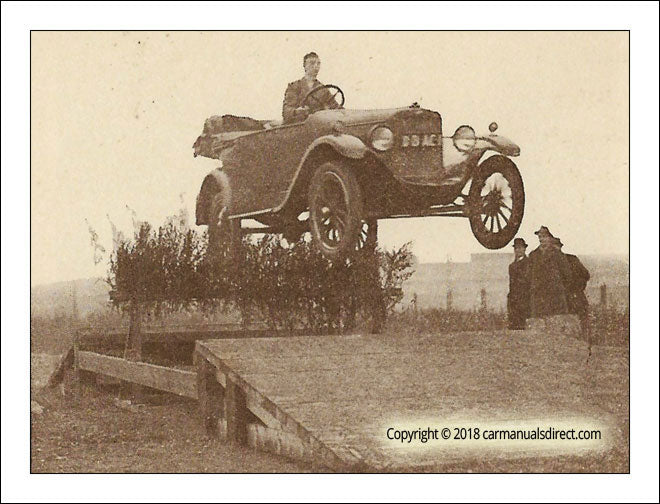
(114, 116)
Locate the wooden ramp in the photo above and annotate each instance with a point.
(332, 398)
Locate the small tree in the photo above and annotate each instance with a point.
(155, 271)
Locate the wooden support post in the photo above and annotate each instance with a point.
(83, 378)
(133, 352)
(204, 375)
(210, 395)
(237, 413)
(603, 295)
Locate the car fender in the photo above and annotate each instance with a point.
(347, 145)
(499, 144)
(214, 180)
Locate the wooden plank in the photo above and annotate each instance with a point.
(280, 443)
(294, 346)
(220, 376)
(176, 381)
(254, 404)
(236, 413)
(325, 347)
(66, 362)
(260, 405)
(205, 375)
(336, 395)
(392, 375)
(279, 364)
(182, 333)
(262, 414)
(287, 423)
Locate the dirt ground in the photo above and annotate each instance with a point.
(91, 432)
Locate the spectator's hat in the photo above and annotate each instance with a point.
(558, 242)
(519, 242)
(543, 231)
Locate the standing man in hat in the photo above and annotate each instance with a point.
(293, 109)
(518, 305)
(549, 272)
(575, 285)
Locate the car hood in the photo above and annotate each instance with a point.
(352, 116)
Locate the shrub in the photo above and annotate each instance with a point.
(288, 286)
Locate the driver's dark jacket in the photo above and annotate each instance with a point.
(294, 96)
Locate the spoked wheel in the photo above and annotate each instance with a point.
(335, 210)
(224, 234)
(497, 202)
(368, 236)
(367, 243)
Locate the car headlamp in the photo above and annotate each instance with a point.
(382, 138)
(464, 138)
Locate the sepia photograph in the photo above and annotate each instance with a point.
(338, 252)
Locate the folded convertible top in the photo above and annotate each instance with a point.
(220, 132)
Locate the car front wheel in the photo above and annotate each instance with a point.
(335, 210)
(496, 202)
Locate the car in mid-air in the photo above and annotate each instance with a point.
(339, 171)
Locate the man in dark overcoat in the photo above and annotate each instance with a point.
(518, 305)
(575, 287)
(549, 273)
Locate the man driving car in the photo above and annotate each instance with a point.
(295, 108)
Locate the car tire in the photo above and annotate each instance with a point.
(486, 213)
(335, 209)
(224, 234)
(368, 235)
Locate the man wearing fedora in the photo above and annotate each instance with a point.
(549, 273)
(518, 298)
(575, 287)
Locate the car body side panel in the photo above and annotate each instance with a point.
(261, 166)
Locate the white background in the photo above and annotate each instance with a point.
(19, 485)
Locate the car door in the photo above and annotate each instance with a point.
(264, 164)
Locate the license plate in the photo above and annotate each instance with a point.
(421, 140)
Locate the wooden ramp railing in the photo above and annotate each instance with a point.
(176, 381)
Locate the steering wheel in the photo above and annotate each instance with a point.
(317, 100)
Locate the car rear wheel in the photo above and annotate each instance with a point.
(368, 236)
(335, 210)
(496, 201)
(224, 234)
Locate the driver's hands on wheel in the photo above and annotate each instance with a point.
(302, 112)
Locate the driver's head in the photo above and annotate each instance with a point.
(312, 65)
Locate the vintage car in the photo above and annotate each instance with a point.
(340, 170)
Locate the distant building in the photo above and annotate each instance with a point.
(490, 271)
